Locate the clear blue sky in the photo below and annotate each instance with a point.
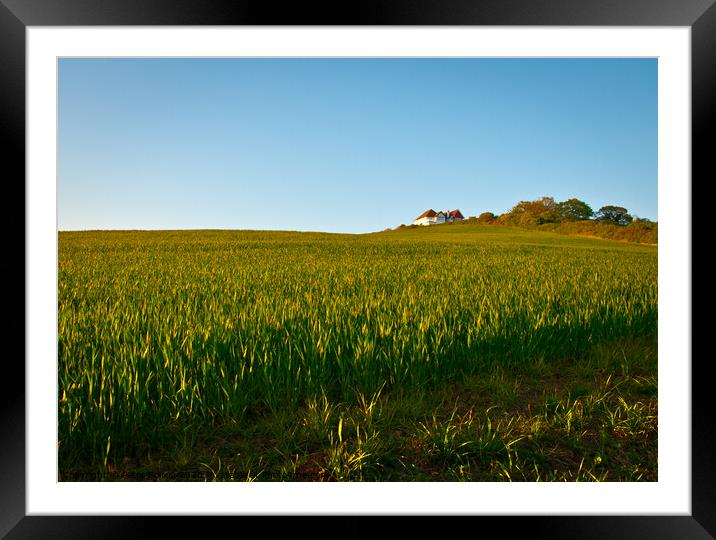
(347, 145)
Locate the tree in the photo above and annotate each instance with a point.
(486, 217)
(543, 210)
(574, 210)
(614, 214)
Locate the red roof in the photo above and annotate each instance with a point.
(427, 213)
(457, 214)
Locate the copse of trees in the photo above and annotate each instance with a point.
(574, 216)
(547, 210)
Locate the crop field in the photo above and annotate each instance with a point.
(476, 353)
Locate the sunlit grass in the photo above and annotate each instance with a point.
(166, 334)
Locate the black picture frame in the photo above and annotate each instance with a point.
(699, 15)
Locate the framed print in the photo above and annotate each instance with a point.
(247, 276)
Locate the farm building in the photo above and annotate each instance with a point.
(431, 217)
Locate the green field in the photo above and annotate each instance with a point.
(446, 353)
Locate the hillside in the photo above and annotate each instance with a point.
(468, 231)
(438, 353)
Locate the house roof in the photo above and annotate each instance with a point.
(456, 213)
(427, 213)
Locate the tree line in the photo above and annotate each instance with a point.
(546, 210)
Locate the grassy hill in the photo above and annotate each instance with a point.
(477, 232)
(473, 352)
(635, 233)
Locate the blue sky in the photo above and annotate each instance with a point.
(347, 145)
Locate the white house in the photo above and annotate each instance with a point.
(431, 217)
